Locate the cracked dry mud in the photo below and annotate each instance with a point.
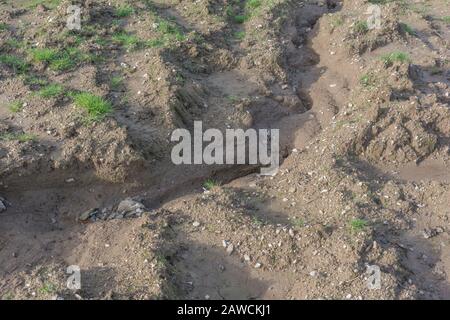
(364, 139)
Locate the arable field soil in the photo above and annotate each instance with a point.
(86, 176)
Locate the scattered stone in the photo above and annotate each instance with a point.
(70, 180)
(247, 257)
(130, 207)
(430, 233)
(313, 273)
(196, 224)
(88, 214)
(257, 265)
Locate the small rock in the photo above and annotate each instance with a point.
(196, 224)
(246, 257)
(130, 206)
(70, 180)
(88, 214)
(429, 233)
(313, 273)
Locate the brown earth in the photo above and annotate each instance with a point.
(364, 120)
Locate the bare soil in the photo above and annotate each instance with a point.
(364, 121)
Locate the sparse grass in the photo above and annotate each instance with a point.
(446, 19)
(59, 60)
(124, 11)
(239, 35)
(14, 43)
(51, 91)
(46, 55)
(96, 107)
(51, 4)
(14, 62)
(368, 80)
(169, 33)
(47, 288)
(3, 26)
(240, 18)
(397, 56)
(407, 29)
(16, 106)
(298, 222)
(126, 40)
(336, 21)
(21, 137)
(361, 27)
(210, 183)
(358, 225)
(116, 82)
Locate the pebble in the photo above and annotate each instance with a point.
(257, 265)
(196, 224)
(246, 257)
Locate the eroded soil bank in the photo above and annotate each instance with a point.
(364, 119)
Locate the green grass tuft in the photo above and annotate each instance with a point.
(14, 62)
(16, 106)
(51, 91)
(124, 11)
(361, 27)
(397, 56)
(97, 108)
(210, 183)
(358, 224)
(21, 137)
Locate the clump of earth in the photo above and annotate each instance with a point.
(360, 95)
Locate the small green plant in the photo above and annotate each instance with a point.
(59, 60)
(257, 221)
(336, 21)
(253, 4)
(3, 26)
(209, 184)
(361, 27)
(298, 222)
(51, 91)
(116, 82)
(51, 4)
(368, 80)
(446, 19)
(407, 29)
(397, 56)
(46, 55)
(126, 40)
(16, 106)
(240, 18)
(47, 288)
(358, 225)
(21, 137)
(14, 62)
(124, 11)
(96, 107)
